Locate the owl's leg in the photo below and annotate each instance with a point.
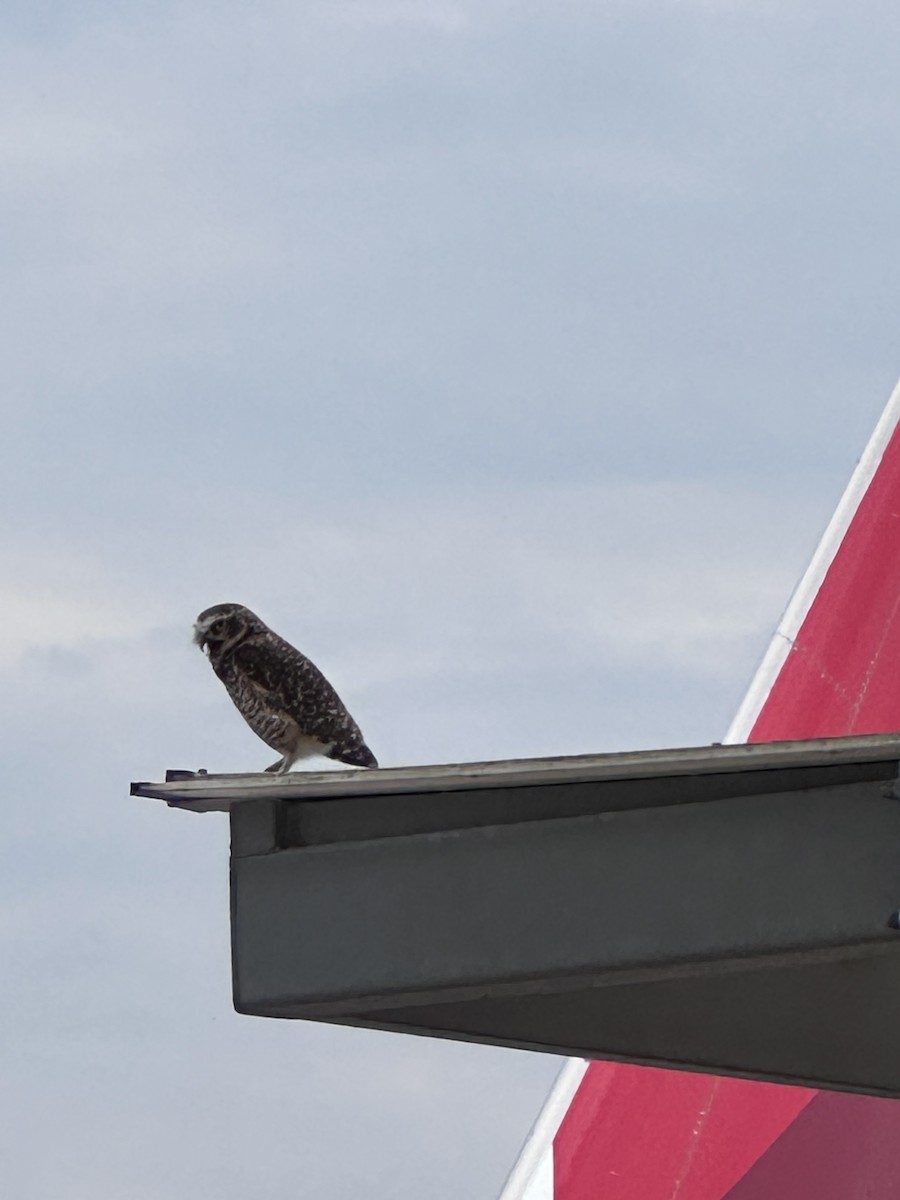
(283, 765)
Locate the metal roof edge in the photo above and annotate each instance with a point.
(205, 792)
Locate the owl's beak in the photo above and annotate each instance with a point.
(200, 637)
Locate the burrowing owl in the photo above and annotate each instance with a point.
(282, 696)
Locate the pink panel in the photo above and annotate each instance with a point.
(839, 1148)
(646, 1134)
(842, 674)
(634, 1133)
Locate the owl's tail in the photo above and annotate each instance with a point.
(355, 756)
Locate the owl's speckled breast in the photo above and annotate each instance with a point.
(272, 725)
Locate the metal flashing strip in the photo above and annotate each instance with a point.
(204, 792)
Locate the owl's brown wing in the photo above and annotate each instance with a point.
(293, 685)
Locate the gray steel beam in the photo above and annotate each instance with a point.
(817, 1023)
(699, 909)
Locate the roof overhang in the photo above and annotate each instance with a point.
(722, 909)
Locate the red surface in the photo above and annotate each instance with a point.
(839, 1148)
(842, 674)
(633, 1133)
(645, 1134)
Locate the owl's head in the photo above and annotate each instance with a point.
(221, 627)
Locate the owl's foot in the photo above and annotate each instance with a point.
(283, 765)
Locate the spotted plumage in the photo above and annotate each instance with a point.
(283, 697)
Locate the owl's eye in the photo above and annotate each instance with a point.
(217, 626)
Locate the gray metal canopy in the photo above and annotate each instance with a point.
(725, 909)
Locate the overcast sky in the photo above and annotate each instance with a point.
(509, 359)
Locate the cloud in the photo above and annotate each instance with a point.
(673, 573)
(509, 359)
(55, 600)
(444, 16)
(492, 624)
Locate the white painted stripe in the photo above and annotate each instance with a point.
(532, 1176)
(540, 1186)
(808, 587)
